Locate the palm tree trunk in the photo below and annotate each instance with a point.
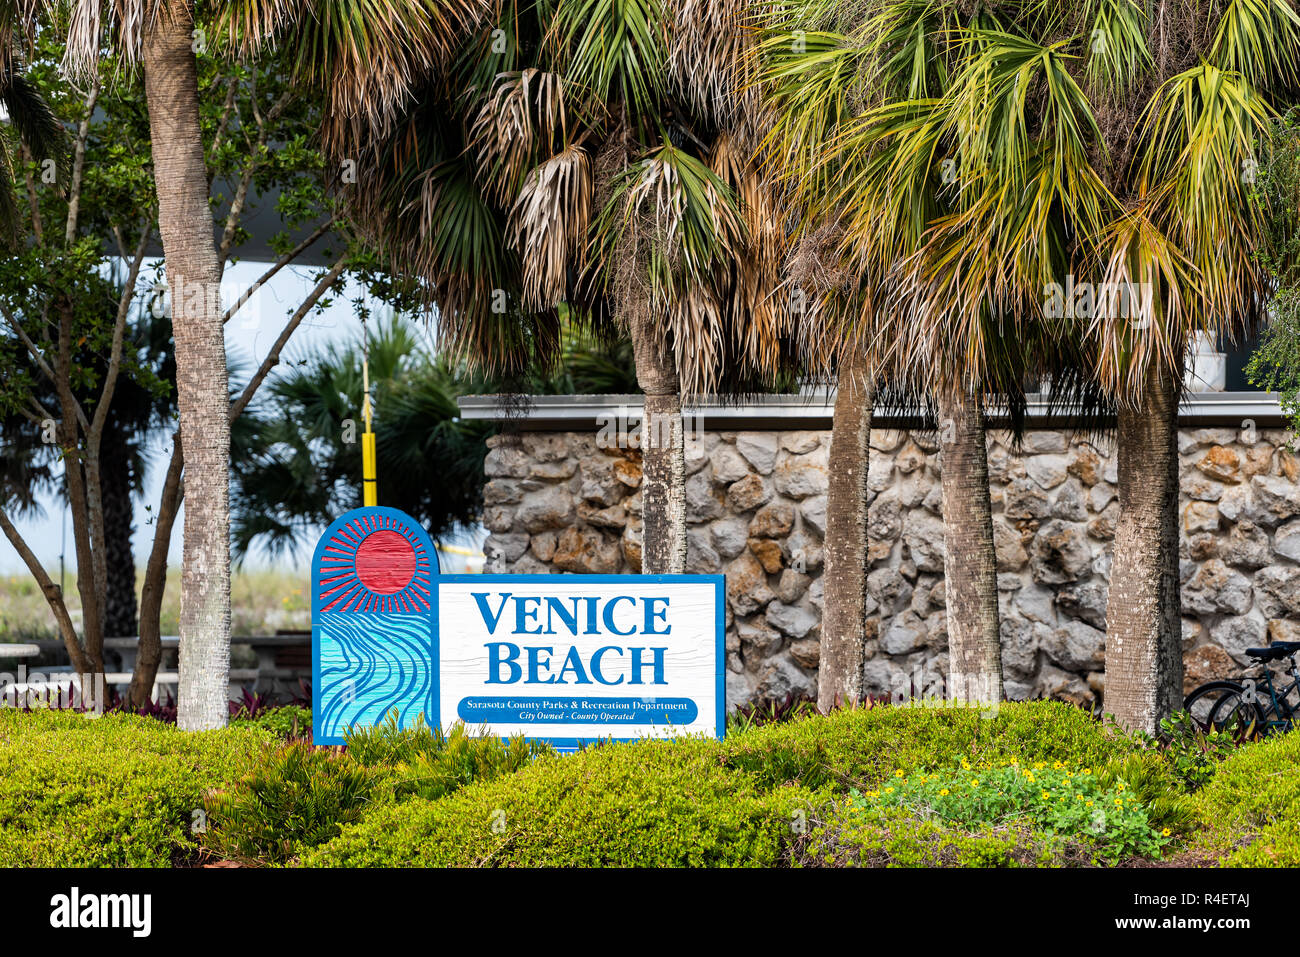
(663, 455)
(194, 273)
(844, 636)
(970, 564)
(1144, 663)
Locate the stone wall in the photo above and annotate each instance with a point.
(556, 502)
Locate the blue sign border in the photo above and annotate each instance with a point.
(435, 574)
(719, 583)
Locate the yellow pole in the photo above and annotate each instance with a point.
(369, 483)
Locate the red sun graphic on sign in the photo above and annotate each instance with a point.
(375, 563)
(385, 562)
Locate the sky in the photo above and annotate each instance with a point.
(249, 337)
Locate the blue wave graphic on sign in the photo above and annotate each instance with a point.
(370, 664)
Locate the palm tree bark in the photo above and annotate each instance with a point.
(844, 636)
(970, 564)
(663, 455)
(194, 273)
(1144, 663)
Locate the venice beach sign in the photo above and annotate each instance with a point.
(560, 658)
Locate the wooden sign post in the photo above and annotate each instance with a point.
(559, 658)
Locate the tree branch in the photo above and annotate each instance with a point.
(277, 266)
(273, 357)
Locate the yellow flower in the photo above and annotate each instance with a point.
(1119, 802)
(1087, 804)
(1087, 770)
(1165, 832)
(965, 764)
(898, 774)
(1120, 786)
(1046, 796)
(943, 791)
(974, 782)
(1080, 796)
(1057, 765)
(889, 790)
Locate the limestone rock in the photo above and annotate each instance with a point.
(768, 553)
(773, 520)
(1086, 602)
(1008, 546)
(806, 652)
(747, 589)
(1060, 553)
(1201, 517)
(791, 619)
(1221, 463)
(905, 634)
(1047, 470)
(1076, 646)
(506, 547)
(797, 481)
(1276, 500)
(506, 461)
(701, 504)
(759, 448)
(1286, 541)
(586, 550)
(748, 494)
(792, 585)
(627, 472)
(1024, 499)
(1235, 635)
(729, 465)
(730, 536)
(1217, 589)
(1205, 664)
(701, 558)
(813, 511)
(1277, 591)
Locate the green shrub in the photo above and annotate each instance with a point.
(286, 722)
(861, 746)
(296, 797)
(429, 763)
(1252, 806)
(1051, 798)
(650, 803)
(896, 837)
(119, 790)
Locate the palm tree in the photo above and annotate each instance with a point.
(836, 76)
(161, 37)
(593, 154)
(1095, 142)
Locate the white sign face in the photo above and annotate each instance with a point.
(573, 658)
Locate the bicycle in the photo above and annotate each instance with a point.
(1238, 707)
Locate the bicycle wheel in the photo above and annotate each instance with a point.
(1200, 704)
(1241, 714)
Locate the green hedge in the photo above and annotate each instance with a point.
(1252, 806)
(862, 746)
(117, 790)
(122, 790)
(746, 800)
(653, 803)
